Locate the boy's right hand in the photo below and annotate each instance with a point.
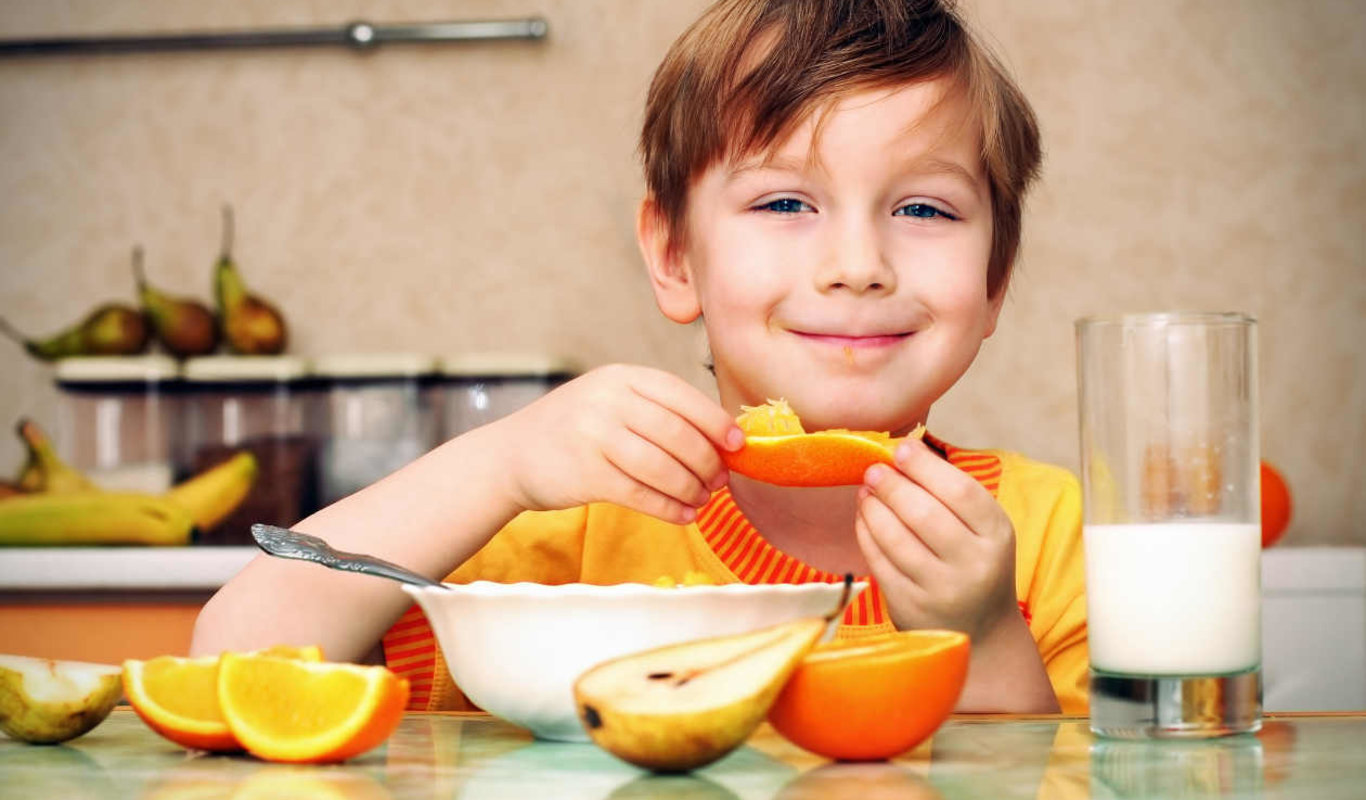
(637, 437)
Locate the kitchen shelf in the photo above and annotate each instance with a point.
(108, 569)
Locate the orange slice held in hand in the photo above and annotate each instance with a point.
(283, 709)
(873, 698)
(178, 697)
(778, 450)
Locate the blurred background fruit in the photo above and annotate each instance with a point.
(184, 326)
(250, 324)
(111, 329)
(52, 503)
(45, 471)
(1276, 505)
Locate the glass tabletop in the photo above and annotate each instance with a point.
(474, 756)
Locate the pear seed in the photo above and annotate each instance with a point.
(591, 717)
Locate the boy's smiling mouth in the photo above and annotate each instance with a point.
(856, 341)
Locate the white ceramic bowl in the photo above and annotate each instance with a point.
(516, 649)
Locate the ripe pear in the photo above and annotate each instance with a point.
(45, 471)
(112, 329)
(250, 324)
(45, 701)
(184, 326)
(683, 706)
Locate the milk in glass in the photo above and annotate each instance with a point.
(1174, 598)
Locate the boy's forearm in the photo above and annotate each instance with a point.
(430, 516)
(1006, 675)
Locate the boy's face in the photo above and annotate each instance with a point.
(850, 278)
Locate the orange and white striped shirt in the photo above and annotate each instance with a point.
(606, 544)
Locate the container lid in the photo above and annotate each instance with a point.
(234, 369)
(507, 365)
(116, 369)
(374, 366)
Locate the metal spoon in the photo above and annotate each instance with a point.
(285, 543)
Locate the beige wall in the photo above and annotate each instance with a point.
(1201, 154)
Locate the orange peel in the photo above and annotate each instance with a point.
(779, 451)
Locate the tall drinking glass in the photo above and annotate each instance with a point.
(1169, 460)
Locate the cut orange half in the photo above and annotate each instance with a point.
(178, 697)
(282, 709)
(873, 698)
(779, 451)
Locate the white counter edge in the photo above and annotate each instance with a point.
(98, 569)
(1284, 570)
(1292, 570)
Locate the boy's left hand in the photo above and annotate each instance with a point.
(940, 546)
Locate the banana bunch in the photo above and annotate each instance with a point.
(52, 503)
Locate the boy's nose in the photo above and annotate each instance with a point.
(856, 262)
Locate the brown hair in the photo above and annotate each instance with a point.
(749, 71)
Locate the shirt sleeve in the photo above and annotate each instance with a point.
(536, 546)
(1051, 575)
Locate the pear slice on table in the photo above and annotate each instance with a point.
(45, 701)
(683, 706)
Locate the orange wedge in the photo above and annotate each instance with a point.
(778, 450)
(872, 698)
(282, 709)
(178, 698)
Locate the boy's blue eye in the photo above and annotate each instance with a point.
(785, 205)
(922, 211)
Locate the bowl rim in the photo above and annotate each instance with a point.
(563, 590)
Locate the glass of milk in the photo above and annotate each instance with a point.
(1169, 460)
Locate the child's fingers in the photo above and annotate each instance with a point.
(685, 400)
(958, 491)
(678, 438)
(916, 508)
(886, 573)
(902, 549)
(648, 464)
(631, 493)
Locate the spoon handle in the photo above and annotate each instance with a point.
(285, 543)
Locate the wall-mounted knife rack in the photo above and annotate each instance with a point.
(356, 35)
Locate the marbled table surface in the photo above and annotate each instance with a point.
(472, 756)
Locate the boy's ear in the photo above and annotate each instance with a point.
(994, 305)
(670, 274)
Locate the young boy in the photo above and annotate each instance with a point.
(834, 189)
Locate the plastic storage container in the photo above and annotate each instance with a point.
(381, 414)
(477, 389)
(116, 419)
(262, 404)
